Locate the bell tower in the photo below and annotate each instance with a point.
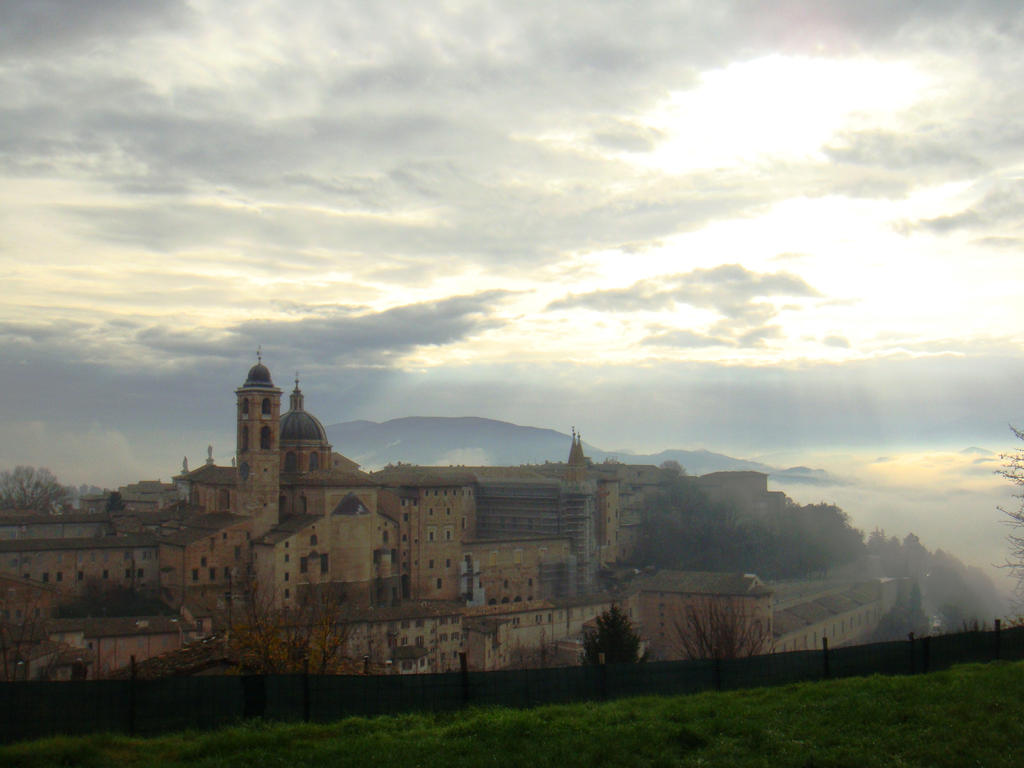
(576, 467)
(257, 449)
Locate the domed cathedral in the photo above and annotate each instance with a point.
(304, 446)
(307, 504)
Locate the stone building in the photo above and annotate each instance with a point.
(70, 565)
(734, 611)
(747, 491)
(206, 560)
(845, 613)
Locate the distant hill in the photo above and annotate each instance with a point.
(477, 441)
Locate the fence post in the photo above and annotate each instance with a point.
(999, 628)
(131, 697)
(913, 660)
(824, 657)
(603, 679)
(926, 653)
(254, 693)
(305, 690)
(464, 674)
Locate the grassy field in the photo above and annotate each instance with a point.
(968, 716)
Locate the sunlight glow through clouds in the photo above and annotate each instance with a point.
(776, 105)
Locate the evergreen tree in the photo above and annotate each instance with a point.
(615, 638)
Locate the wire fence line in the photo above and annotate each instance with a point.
(149, 707)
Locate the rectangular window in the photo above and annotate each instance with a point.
(81, 575)
(438, 583)
(127, 573)
(202, 561)
(287, 557)
(286, 574)
(430, 564)
(324, 564)
(106, 574)
(303, 564)
(213, 574)
(195, 574)
(238, 553)
(46, 576)
(60, 576)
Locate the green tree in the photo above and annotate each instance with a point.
(614, 637)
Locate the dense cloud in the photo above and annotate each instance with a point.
(745, 226)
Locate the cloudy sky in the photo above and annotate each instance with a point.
(784, 230)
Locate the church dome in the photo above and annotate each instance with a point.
(302, 427)
(259, 376)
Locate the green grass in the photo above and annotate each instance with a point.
(967, 716)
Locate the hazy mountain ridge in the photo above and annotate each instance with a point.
(472, 440)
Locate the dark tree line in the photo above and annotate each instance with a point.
(953, 595)
(685, 530)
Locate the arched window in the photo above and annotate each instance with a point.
(245, 407)
(314, 461)
(312, 540)
(244, 440)
(265, 437)
(291, 462)
(302, 505)
(266, 406)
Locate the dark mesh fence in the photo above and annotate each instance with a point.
(34, 709)
(180, 703)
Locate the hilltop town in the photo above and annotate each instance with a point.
(425, 568)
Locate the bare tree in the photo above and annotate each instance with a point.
(1013, 470)
(310, 636)
(721, 627)
(31, 488)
